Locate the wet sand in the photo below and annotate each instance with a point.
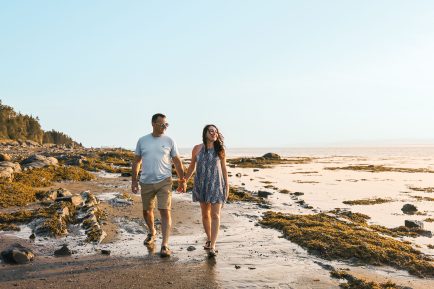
(249, 256)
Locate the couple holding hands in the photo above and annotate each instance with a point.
(155, 153)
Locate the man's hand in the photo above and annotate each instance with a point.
(134, 186)
(182, 186)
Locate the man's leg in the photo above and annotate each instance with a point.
(166, 225)
(148, 202)
(148, 215)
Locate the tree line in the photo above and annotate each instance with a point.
(17, 126)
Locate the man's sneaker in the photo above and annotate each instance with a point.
(150, 239)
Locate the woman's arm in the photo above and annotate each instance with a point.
(192, 166)
(225, 175)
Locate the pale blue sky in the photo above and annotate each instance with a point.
(267, 73)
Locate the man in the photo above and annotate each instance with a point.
(155, 152)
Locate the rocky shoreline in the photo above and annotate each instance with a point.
(48, 190)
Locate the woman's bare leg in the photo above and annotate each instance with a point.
(206, 218)
(215, 223)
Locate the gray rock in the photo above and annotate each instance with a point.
(17, 254)
(256, 170)
(271, 156)
(414, 224)
(297, 194)
(409, 209)
(64, 251)
(264, 194)
(15, 166)
(238, 175)
(191, 248)
(39, 161)
(126, 174)
(105, 252)
(76, 200)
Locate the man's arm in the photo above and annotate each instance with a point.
(137, 161)
(178, 167)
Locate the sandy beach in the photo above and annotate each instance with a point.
(250, 255)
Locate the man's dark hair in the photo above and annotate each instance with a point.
(157, 115)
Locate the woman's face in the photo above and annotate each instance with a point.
(212, 133)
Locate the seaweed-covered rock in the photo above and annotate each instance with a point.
(271, 156)
(17, 254)
(5, 157)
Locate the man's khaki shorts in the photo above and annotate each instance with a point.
(163, 191)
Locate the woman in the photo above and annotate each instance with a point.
(211, 185)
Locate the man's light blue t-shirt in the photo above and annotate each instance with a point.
(157, 154)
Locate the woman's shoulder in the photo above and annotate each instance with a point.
(197, 148)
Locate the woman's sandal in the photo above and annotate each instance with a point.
(165, 251)
(207, 245)
(212, 253)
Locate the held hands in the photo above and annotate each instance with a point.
(182, 186)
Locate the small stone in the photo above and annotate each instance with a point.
(237, 266)
(409, 209)
(105, 252)
(191, 248)
(238, 175)
(64, 251)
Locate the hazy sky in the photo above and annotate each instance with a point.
(267, 73)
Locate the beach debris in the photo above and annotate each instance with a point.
(414, 224)
(255, 170)
(409, 209)
(191, 248)
(237, 267)
(38, 161)
(63, 251)
(17, 254)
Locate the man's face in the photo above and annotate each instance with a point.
(160, 125)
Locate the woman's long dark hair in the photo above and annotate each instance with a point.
(219, 146)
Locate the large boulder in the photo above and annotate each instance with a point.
(7, 170)
(39, 161)
(6, 173)
(15, 166)
(272, 156)
(414, 224)
(17, 254)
